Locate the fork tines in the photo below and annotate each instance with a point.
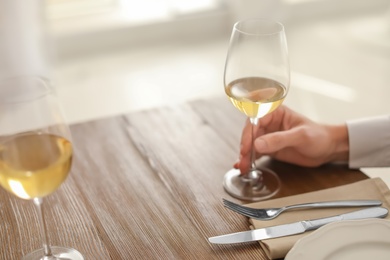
(239, 208)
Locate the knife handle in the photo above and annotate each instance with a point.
(377, 212)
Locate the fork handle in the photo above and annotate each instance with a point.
(335, 204)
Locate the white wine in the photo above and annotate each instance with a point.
(34, 165)
(256, 96)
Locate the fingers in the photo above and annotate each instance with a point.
(273, 142)
(246, 138)
(268, 144)
(267, 122)
(271, 122)
(244, 163)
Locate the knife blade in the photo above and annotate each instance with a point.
(296, 227)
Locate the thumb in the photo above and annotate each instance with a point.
(273, 142)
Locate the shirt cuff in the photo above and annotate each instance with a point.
(369, 142)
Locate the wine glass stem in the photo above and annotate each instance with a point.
(254, 122)
(253, 175)
(46, 246)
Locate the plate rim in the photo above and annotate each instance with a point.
(324, 230)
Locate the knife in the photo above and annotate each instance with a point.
(295, 228)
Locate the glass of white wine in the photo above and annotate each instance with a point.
(256, 80)
(35, 150)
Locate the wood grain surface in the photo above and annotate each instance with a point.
(148, 185)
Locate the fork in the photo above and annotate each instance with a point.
(271, 213)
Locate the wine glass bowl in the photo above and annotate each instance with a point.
(256, 80)
(34, 164)
(35, 149)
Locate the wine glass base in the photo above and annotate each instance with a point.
(266, 187)
(59, 253)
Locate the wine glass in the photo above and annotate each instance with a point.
(35, 150)
(256, 80)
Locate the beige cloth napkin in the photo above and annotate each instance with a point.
(279, 247)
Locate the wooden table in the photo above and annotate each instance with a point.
(148, 185)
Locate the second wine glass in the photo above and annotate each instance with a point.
(35, 150)
(256, 80)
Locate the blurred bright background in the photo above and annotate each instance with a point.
(118, 56)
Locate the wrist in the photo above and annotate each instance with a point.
(340, 141)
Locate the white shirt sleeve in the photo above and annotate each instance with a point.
(369, 142)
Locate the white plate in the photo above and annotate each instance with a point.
(345, 240)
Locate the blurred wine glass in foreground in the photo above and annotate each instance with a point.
(35, 150)
(256, 80)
